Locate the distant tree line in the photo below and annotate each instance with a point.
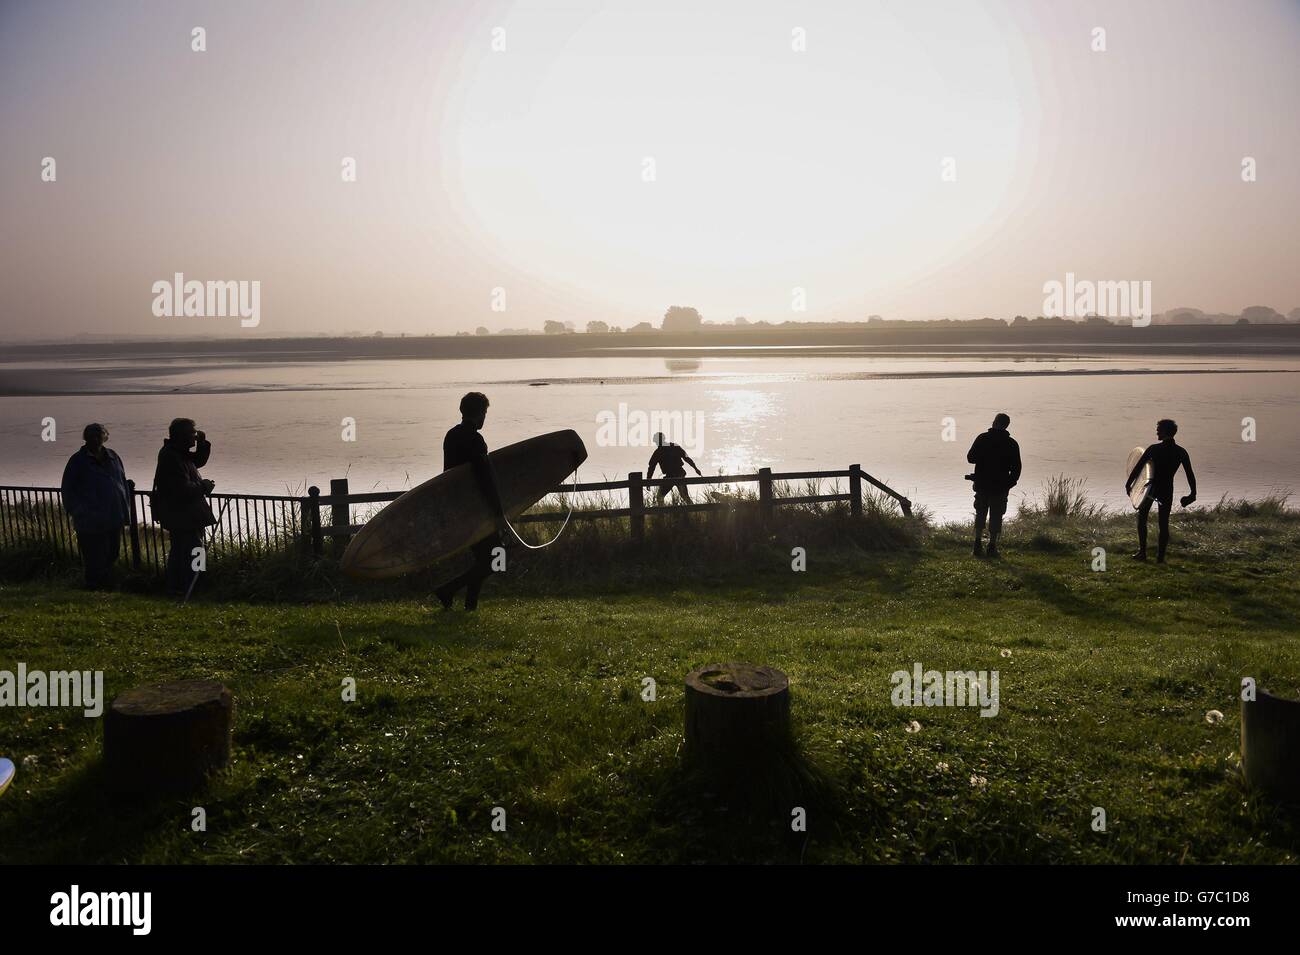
(679, 319)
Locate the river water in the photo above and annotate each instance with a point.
(279, 426)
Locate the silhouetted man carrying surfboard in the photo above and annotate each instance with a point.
(464, 445)
(996, 457)
(669, 457)
(1165, 459)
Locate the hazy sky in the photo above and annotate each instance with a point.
(525, 169)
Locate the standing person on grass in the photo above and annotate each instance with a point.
(180, 498)
(996, 457)
(97, 499)
(1166, 458)
(465, 445)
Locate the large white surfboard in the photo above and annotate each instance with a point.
(449, 512)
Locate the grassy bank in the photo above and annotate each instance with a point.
(534, 704)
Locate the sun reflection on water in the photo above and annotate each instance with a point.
(737, 419)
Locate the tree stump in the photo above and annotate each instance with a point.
(168, 737)
(1270, 745)
(736, 714)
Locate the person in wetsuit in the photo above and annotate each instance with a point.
(464, 445)
(996, 457)
(1165, 457)
(668, 457)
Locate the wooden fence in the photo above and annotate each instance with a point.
(269, 522)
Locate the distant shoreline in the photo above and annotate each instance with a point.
(28, 384)
(919, 340)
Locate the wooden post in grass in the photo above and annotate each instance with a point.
(636, 504)
(736, 714)
(313, 520)
(1270, 745)
(765, 493)
(855, 490)
(340, 519)
(168, 737)
(135, 525)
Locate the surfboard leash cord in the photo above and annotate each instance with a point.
(557, 533)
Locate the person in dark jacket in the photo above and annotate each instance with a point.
(97, 499)
(180, 498)
(464, 445)
(996, 457)
(669, 457)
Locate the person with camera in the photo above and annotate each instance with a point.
(180, 498)
(996, 457)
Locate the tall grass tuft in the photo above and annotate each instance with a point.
(1271, 505)
(1064, 498)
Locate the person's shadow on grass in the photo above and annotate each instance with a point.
(1051, 590)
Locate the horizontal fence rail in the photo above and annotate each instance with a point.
(270, 523)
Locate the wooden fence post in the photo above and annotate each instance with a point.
(855, 490)
(765, 492)
(636, 504)
(339, 516)
(303, 524)
(135, 526)
(313, 519)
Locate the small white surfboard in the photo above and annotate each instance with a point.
(7, 772)
(1139, 489)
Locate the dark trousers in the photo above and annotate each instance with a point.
(98, 555)
(1162, 515)
(990, 506)
(674, 481)
(180, 558)
(479, 571)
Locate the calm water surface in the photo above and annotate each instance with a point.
(277, 426)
